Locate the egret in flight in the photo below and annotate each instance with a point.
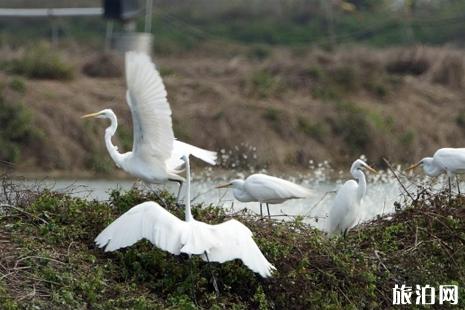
(445, 160)
(266, 190)
(156, 154)
(346, 209)
(214, 243)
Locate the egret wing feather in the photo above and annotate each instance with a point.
(151, 112)
(149, 221)
(237, 243)
(184, 149)
(342, 214)
(271, 189)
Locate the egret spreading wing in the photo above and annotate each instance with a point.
(237, 243)
(151, 112)
(149, 221)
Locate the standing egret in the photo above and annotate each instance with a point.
(266, 189)
(156, 155)
(448, 160)
(214, 243)
(345, 211)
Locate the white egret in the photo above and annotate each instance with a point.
(156, 155)
(446, 160)
(266, 189)
(345, 211)
(214, 243)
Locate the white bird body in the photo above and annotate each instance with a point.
(449, 160)
(156, 155)
(346, 209)
(267, 189)
(218, 243)
(343, 215)
(445, 160)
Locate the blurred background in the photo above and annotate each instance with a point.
(275, 84)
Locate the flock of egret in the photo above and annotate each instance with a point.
(157, 157)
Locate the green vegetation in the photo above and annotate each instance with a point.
(49, 260)
(18, 85)
(353, 125)
(16, 130)
(40, 62)
(263, 84)
(316, 130)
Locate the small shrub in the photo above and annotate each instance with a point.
(104, 65)
(259, 52)
(263, 84)
(16, 129)
(407, 138)
(409, 62)
(460, 119)
(314, 130)
(41, 62)
(352, 124)
(18, 85)
(271, 114)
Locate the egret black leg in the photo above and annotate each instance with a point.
(450, 188)
(192, 280)
(268, 209)
(261, 212)
(179, 193)
(215, 284)
(458, 183)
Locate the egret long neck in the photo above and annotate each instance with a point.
(362, 184)
(188, 191)
(240, 193)
(112, 149)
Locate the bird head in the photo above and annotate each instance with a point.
(360, 165)
(426, 163)
(106, 113)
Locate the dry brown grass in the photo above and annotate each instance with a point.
(292, 105)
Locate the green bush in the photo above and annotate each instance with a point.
(314, 130)
(51, 235)
(263, 84)
(16, 129)
(40, 62)
(353, 125)
(18, 85)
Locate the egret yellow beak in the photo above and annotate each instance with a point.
(223, 186)
(90, 115)
(371, 169)
(413, 166)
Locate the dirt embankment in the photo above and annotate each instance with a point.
(280, 107)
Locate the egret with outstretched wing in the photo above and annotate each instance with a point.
(156, 154)
(214, 243)
(266, 189)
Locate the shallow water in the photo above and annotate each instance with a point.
(382, 191)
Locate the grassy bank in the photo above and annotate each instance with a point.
(276, 108)
(48, 259)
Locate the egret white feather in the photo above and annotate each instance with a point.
(155, 156)
(346, 210)
(215, 243)
(266, 189)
